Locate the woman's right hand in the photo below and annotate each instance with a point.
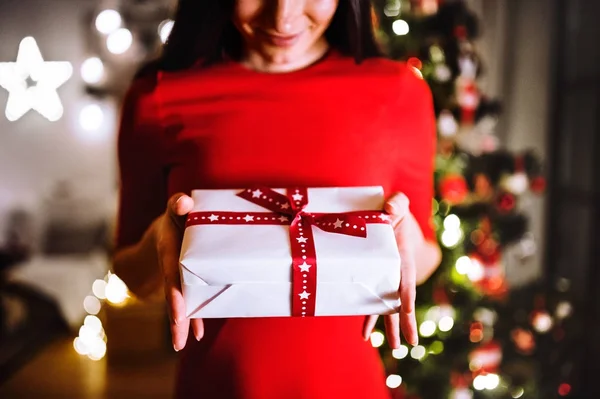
(169, 234)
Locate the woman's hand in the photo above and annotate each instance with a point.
(409, 237)
(169, 233)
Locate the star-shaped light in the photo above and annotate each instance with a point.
(283, 219)
(249, 218)
(302, 239)
(43, 77)
(256, 193)
(213, 218)
(338, 224)
(304, 267)
(297, 197)
(384, 217)
(304, 294)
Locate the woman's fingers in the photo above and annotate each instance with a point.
(198, 328)
(392, 330)
(408, 320)
(179, 205)
(397, 207)
(168, 247)
(180, 325)
(368, 327)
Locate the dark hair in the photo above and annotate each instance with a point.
(204, 32)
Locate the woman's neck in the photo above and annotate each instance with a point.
(258, 62)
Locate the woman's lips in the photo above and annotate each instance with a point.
(279, 40)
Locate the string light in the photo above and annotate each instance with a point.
(446, 323)
(452, 233)
(427, 328)
(418, 352)
(400, 353)
(119, 41)
(92, 70)
(164, 29)
(91, 117)
(400, 27)
(463, 265)
(116, 291)
(108, 21)
(91, 341)
(393, 381)
(377, 339)
(392, 8)
(517, 392)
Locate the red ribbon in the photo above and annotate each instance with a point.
(289, 210)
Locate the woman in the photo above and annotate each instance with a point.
(276, 92)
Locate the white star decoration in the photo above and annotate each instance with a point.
(338, 224)
(256, 193)
(384, 217)
(285, 206)
(47, 76)
(249, 218)
(297, 197)
(304, 267)
(213, 218)
(304, 294)
(283, 219)
(302, 239)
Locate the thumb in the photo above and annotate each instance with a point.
(397, 206)
(180, 205)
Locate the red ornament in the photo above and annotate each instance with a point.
(415, 62)
(486, 358)
(564, 389)
(483, 187)
(506, 202)
(440, 296)
(524, 340)
(453, 188)
(460, 32)
(538, 184)
(468, 98)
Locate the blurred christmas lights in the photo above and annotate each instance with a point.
(92, 70)
(400, 27)
(377, 339)
(119, 41)
(108, 21)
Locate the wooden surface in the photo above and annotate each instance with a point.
(59, 372)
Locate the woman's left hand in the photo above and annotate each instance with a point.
(408, 237)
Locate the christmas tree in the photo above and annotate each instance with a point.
(478, 339)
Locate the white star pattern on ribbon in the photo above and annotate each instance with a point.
(297, 197)
(304, 294)
(285, 205)
(304, 267)
(47, 76)
(283, 219)
(249, 218)
(256, 193)
(338, 224)
(213, 218)
(384, 217)
(302, 239)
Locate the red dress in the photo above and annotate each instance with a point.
(334, 123)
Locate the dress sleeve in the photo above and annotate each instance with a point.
(419, 135)
(142, 195)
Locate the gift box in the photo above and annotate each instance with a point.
(262, 252)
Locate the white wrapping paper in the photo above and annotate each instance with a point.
(245, 270)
